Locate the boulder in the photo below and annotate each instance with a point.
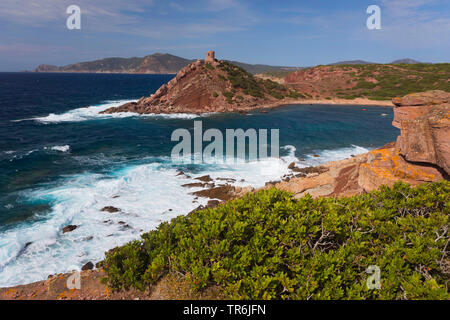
(206, 178)
(88, 266)
(212, 204)
(225, 192)
(110, 209)
(69, 228)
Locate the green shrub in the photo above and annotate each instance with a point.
(365, 85)
(276, 95)
(209, 66)
(241, 79)
(295, 95)
(229, 95)
(269, 245)
(215, 94)
(394, 80)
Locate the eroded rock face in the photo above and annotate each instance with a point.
(424, 121)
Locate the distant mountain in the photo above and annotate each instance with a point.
(351, 62)
(157, 63)
(262, 68)
(356, 62)
(406, 61)
(154, 64)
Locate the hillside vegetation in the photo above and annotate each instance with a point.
(269, 245)
(373, 81)
(247, 85)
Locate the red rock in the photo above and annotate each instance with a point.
(424, 121)
(197, 88)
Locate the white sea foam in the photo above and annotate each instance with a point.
(332, 155)
(21, 155)
(146, 194)
(93, 113)
(61, 148)
(143, 193)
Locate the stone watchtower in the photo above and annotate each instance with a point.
(210, 57)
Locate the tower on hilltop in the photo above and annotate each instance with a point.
(210, 56)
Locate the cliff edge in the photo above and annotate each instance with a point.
(424, 121)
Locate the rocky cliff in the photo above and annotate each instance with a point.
(420, 154)
(424, 121)
(213, 86)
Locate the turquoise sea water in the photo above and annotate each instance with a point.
(61, 163)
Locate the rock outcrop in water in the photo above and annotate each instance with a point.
(209, 86)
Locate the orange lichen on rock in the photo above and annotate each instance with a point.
(387, 166)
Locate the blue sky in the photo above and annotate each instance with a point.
(276, 32)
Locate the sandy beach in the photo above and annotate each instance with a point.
(335, 101)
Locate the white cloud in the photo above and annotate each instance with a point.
(145, 18)
(413, 24)
(404, 8)
(405, 24)
(27, 49)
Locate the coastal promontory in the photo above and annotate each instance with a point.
(210, 85)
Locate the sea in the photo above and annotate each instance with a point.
(61, 162)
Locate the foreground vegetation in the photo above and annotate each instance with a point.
(269, 245)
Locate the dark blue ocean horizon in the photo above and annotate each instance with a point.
(61, 162)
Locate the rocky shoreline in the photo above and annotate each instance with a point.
(421, 154)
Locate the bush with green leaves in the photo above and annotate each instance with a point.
(241, 79)
(384, 82)
(229, 95)
(269, 245)
(209, 66)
